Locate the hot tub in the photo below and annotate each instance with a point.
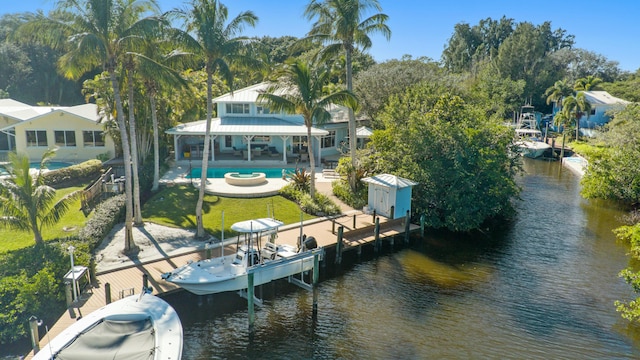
(235, 178)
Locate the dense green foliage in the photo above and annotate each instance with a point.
(105, 216)
(616, 175)
(74, 175)
(319, 205)
(459, 158)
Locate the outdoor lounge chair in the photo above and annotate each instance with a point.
(304, 157)
(237, 152)
(273, 152)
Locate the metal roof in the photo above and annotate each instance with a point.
(603, 98)
(388, 180)
(363, 132)
(246, 126)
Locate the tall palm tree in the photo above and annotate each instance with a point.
(339, 24)
(26, 203)
(587, 83)
(98, 33)
(562, 119)
(218, 45)
(557, 92)
(576, 106)
(300, 90)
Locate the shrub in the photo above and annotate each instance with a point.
(342, 191)
(106, 215)
(321, 205)
(74, 175)
(300, 179)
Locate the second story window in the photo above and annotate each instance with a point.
(263, 110)
(237, 108)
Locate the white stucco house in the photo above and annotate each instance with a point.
(75, 130)
(247, 132)
(601, 103)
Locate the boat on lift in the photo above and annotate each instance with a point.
(267, 262)
(528, 139)
(136, 327)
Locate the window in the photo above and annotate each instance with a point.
(228, 141)
(593, 111)
(263, 110)
(65, 138)
(36, 138)
(261, 139)
(329, 140)
(93, 138)
(237, 108)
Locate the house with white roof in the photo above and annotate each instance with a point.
(76, 131)
(247, 131)
(601, 104)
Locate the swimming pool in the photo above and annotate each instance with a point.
(218, 173)
(51, 165)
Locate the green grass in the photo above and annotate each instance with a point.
(74, 218)
(175, 206)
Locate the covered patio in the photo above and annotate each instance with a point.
(249, 141)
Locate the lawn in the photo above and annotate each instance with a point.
(175, 206)
(73, 219)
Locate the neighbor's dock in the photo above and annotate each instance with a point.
(356, 229)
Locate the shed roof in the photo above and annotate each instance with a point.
(388, 180)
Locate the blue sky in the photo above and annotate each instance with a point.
(422, 27)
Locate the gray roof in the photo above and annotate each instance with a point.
(246, 126)
(23, 112)
(388, 180)
(603, 98)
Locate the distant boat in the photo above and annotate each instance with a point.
(267, 263)
(528, 138)
(136, 327)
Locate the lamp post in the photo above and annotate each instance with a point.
(73, 273)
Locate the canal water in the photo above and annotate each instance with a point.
(543, 288)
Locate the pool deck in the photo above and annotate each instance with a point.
(178, 171)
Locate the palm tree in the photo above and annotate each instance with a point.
(339, 23)
(218, 45)
(98, 33)
(300, 90)
(587, 83)
(557, 92)
(26, 202)
(562, 119)
(576, 106)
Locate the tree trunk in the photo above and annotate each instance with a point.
(312, 163)
(137, 213)
(205, 157)
(352, 116)
(562, 148)
(156, 145)
(129, 244)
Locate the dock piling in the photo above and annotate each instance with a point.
(107, 293)
(354, 221)
(339, 245)
(407, 227)
(35, 337)
(316, 277)
(422, 222)
(250, 297)
(376, 234)
(145, 282)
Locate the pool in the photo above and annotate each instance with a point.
(218, 173)
(51, 165)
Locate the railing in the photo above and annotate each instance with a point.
(93, 192)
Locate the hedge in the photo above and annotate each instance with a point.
(74, 175)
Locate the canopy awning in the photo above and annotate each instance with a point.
(363, 132)
(256, 225)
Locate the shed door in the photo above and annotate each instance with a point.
(382, 201)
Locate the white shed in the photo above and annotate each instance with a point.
(389, 195)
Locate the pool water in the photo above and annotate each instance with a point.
(51, 165)
(218, 173)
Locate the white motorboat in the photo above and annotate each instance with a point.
(529, 143)
(266, 263)
(136, 327)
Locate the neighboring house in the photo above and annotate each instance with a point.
(601, 103)
(247, 131)
(76, 131)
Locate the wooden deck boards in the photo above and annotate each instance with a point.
(132, 277)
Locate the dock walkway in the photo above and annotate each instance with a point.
(128, 278)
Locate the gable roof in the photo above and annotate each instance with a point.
(24, 113)
(248, 94)
(603, 98)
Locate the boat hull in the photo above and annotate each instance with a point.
(532, 149)
(165, 329)
(221, 275)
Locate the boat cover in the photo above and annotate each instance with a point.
(113, 339)
(256, 225)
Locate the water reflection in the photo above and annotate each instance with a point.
(542, 288)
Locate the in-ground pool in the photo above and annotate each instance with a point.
(51, 165)
(218, 173)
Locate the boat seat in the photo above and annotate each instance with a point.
(269, 251)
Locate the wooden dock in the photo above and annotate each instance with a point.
(358, 230)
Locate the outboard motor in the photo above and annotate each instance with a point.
(310, 243)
